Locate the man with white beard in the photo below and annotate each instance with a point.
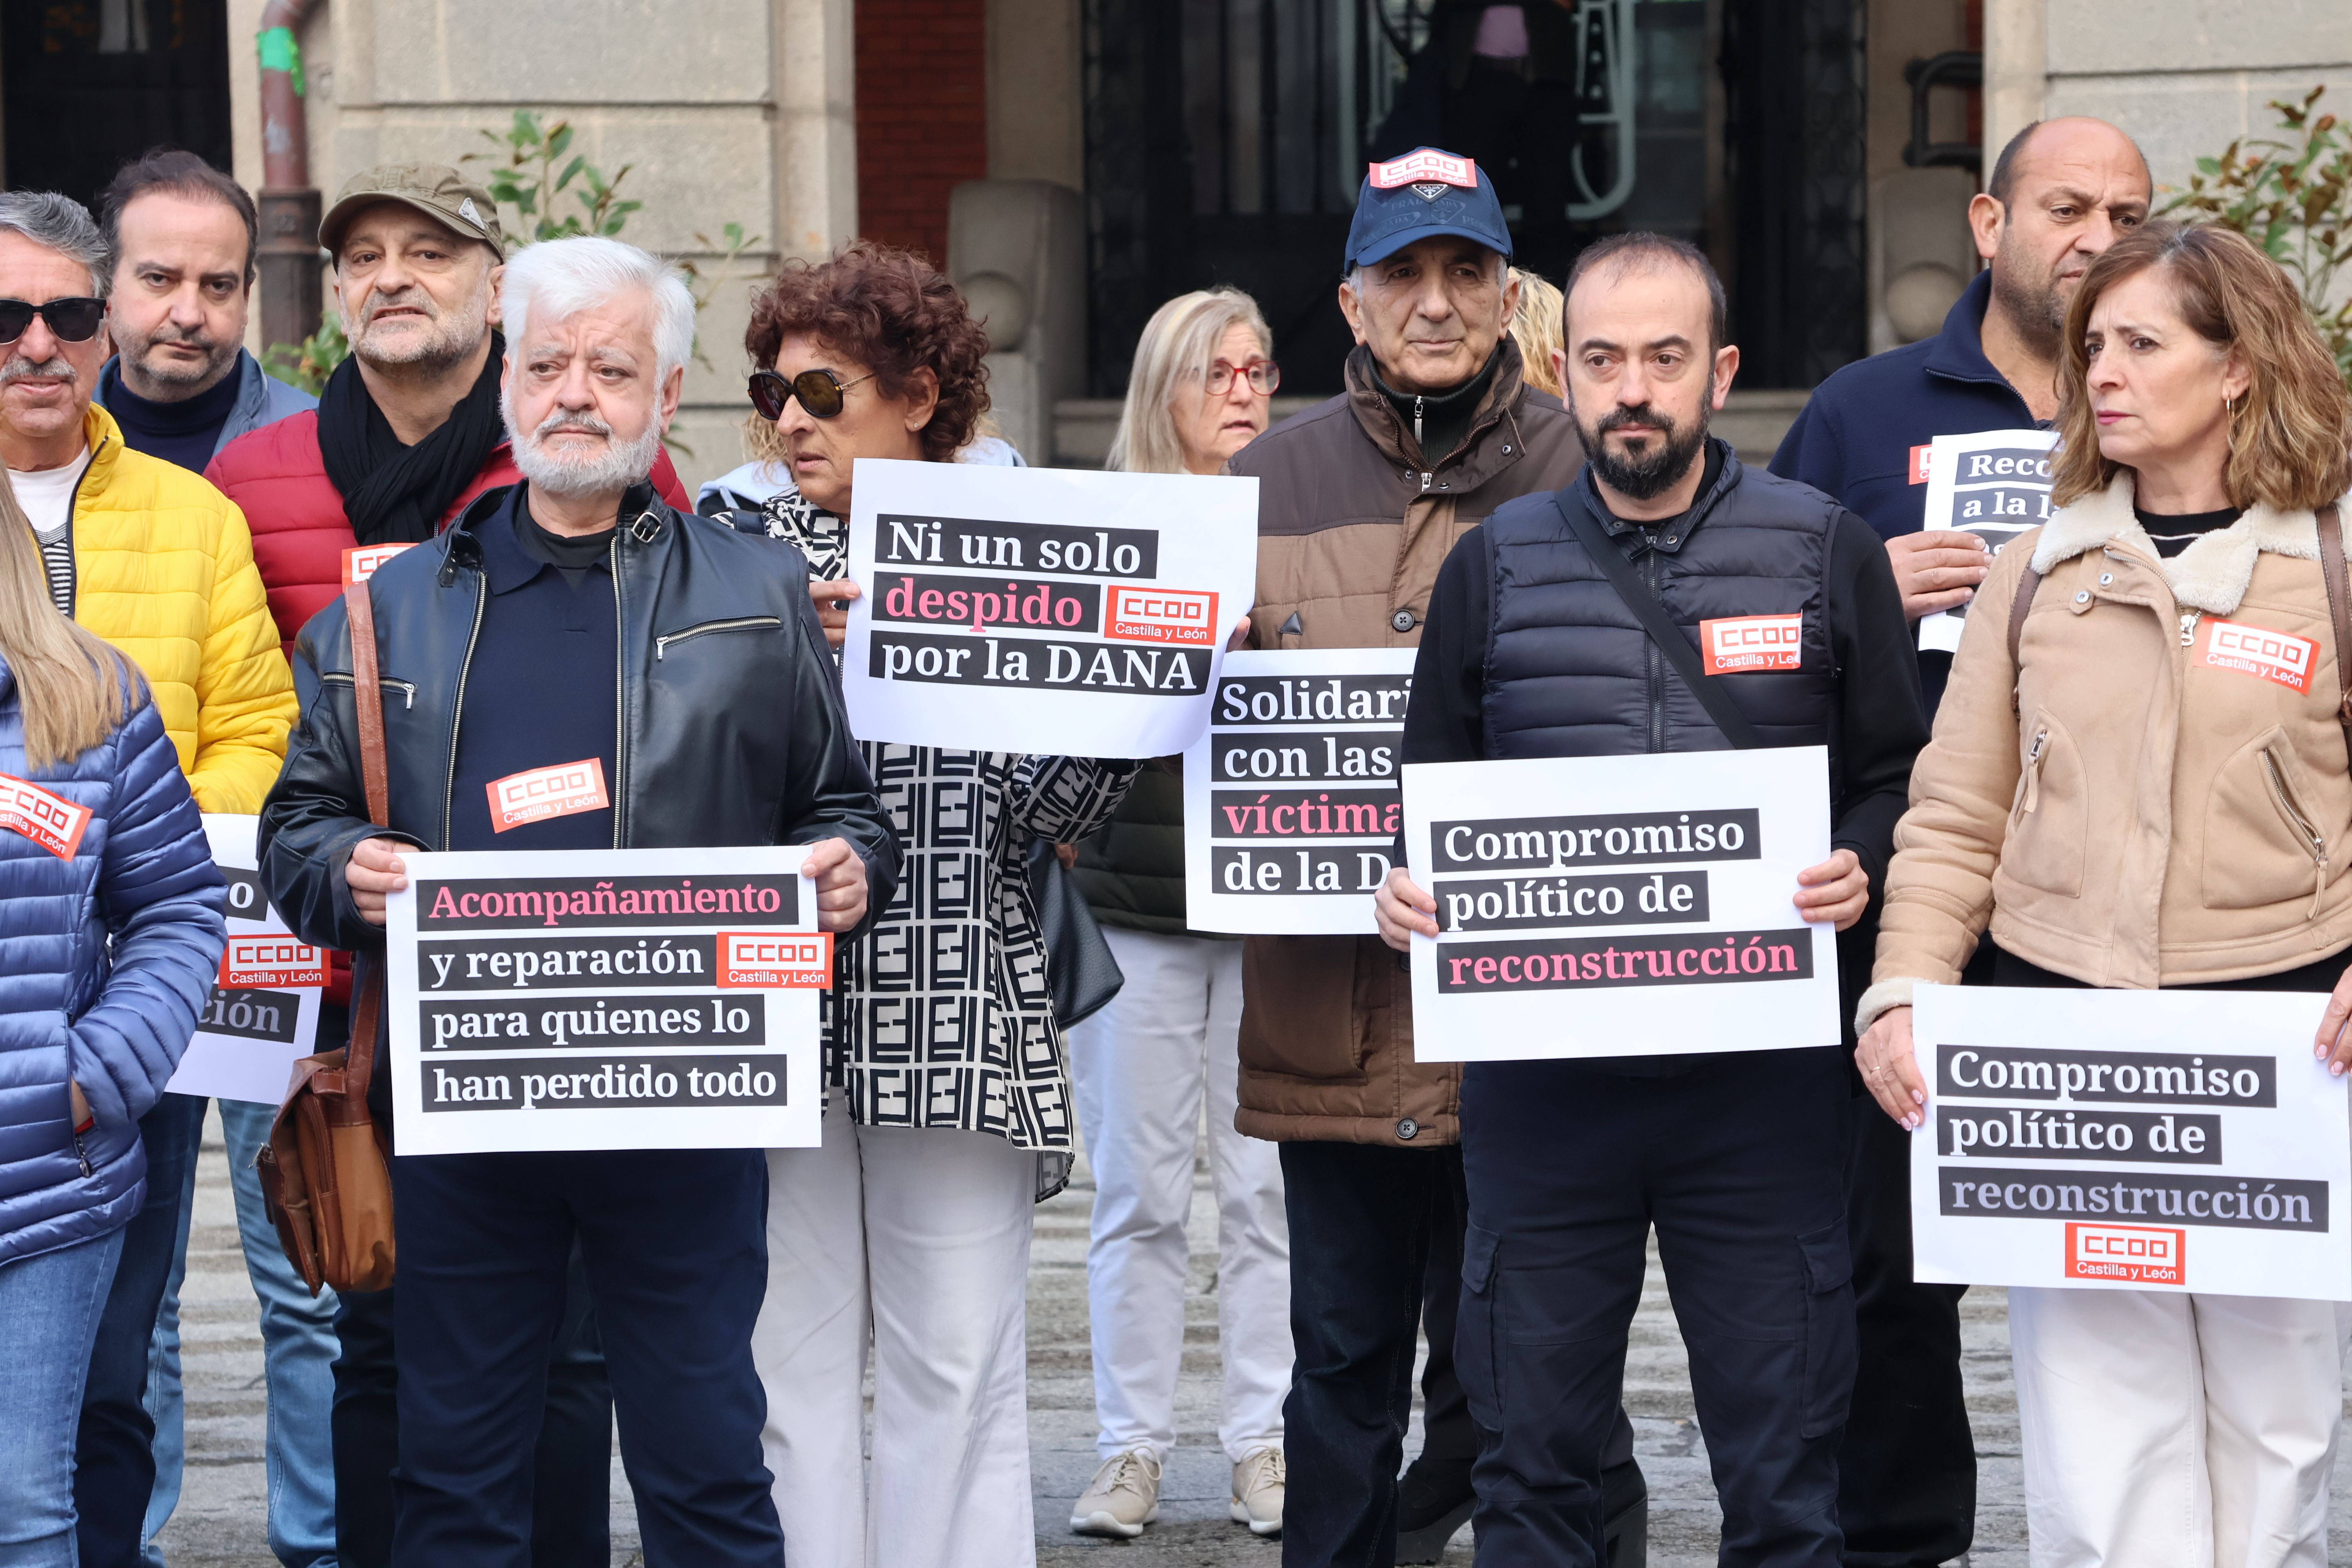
(557, 627)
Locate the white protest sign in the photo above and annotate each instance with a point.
(1291, 805)
(2129, 1139)
(1042, 609)
(606, 999)
(1994, 484)
(1620, 906)
(263, 1015)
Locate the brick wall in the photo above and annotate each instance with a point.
(922, 115)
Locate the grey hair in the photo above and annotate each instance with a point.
(562, 278)
(60, 224)
(1176, 348)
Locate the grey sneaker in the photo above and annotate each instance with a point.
(1123, 1497)
(1258, 1482)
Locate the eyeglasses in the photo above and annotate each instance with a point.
(819, 392)
(72, 321)
(1263, 375)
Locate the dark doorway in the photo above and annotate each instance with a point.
(90, 84)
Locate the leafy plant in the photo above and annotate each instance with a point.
(2294, 198)
(536, 172)
(308, 364)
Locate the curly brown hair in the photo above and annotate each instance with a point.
(893, 312)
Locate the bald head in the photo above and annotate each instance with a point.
(2061, 193)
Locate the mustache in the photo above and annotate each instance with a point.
(584, 424)
(21, 368)
(183, 337)
(1640, 414)
(406, 299)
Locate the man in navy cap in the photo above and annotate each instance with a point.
(1359, 499)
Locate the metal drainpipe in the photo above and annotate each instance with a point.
(289, 203)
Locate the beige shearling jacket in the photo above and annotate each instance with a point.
(2168, 802)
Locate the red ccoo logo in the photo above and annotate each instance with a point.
(1752, 642)
(2280, 657)
(361, 560)
(2126, 1254)
(1160, 614)
(51, 821)
(775, 960)
(271, 961)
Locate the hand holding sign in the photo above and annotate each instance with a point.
(1937, 570)
(840, 879)
(374, 870)
(1890, 1067)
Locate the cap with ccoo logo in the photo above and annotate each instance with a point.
(440, 193)
(1423, 195)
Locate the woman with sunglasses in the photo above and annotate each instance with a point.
(909, 1228)
(1202, 389)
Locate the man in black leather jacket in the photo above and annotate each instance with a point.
(571, 618)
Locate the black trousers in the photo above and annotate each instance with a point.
(676, 1247)
(1372, 1228)
(1738, 1163)
(571, 1490)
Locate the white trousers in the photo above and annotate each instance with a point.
(1142, 1067)
(2177, 1431)
(915, 1241)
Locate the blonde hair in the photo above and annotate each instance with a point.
(1177, 346)
(73, 690)
(2288, 435)
(1536, 329)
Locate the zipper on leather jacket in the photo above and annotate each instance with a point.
(740, 623)
(1418, 401)
(620, 697)
(458, 713)
(407, 688)
(2314, 844)
(1654, 660)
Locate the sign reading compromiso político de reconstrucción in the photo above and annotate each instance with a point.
(1620, 906)
(606, 999)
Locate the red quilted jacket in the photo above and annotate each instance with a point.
(278, 479)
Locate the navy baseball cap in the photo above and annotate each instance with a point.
(1421, 196)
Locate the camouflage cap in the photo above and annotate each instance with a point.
(438, 192)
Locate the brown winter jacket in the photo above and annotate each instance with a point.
(1351, 530)
(2159, 809)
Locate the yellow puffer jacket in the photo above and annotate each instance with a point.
(164, 569)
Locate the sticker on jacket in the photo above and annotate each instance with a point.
(1427, 166)
(541, 793)
(1740, 643)
(1919, 455)
(51, 821)
(359, 562)
(2278, 656)
(259, 963)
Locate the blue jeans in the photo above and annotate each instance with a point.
(297, 1338)
(114, 1470)
(49, 1309)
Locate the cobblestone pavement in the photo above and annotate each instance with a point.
(220, 1520)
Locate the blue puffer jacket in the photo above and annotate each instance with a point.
(116, 1024)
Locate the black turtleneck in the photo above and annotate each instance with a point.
(1443, 417)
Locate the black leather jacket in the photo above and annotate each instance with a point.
(732, 731)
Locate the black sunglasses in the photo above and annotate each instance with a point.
(819, 392)
(72, 321)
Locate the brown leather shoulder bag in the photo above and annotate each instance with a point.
(326, 1174)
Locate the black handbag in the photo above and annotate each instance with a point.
(1080, 968)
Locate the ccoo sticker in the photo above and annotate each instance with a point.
(1427, 166)
(2280, 657)
(359, 562)
(1741, 643)
(541, 793)
(51, 821)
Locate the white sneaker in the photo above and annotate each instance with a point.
(1258, 1483)
(1123, 1497)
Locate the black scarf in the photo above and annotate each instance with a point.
(395, 494)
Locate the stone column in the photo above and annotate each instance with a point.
(816, 126)
(2016, 70)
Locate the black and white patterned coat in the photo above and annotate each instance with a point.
(940, 1016)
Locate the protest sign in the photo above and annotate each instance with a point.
(1042, 609)
(1291, 805)
(1994, 484)
(263, 1015)
(1620, 906)
(2129, 1139)
(606, 999)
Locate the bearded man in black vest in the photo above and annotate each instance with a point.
(1536, 646)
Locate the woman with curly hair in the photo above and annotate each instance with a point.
(909, 1229)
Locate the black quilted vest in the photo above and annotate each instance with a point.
(1570, 672)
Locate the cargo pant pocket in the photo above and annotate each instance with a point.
(1831, 1349)
(1474, 1329)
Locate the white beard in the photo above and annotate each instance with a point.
(619, 465)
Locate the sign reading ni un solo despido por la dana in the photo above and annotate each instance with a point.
(1291, 798)
(2129, 1140)
(1042, 609)
(1620, 906)
(606, 999)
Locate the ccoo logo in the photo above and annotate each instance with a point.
(1740, 643)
